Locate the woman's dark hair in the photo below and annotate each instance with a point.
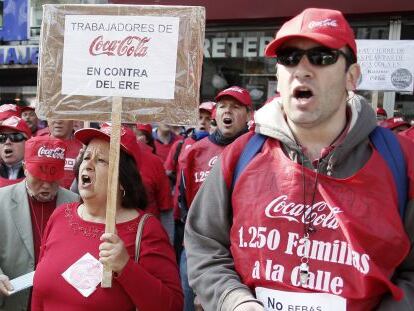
(150, 141)
(129, 178)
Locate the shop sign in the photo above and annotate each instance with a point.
(235, 46)
(386, 65)
(19, 55)
(15, 20)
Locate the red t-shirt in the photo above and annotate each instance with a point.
(196, 165)
(162, 150)
(39, 215)
(151, 284)
(156, 183)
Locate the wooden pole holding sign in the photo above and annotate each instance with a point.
(113, 177)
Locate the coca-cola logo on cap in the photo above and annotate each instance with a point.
(132, 46)
(12, 121)
(54, 153)
(8, 107)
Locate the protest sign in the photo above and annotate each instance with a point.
(386, 65)
(151, 56)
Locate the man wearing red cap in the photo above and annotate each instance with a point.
(13, 134)
(29, 115)
(63, 129)
(233, 110)
(312, 221)
(24, 211)
(381, 114)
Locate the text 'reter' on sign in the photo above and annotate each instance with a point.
(151, 56)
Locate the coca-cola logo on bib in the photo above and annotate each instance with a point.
(132, 46)
(320, 214)
(212, 161)
(55, 153)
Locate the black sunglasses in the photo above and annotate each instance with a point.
(14, 137)
(318, 56)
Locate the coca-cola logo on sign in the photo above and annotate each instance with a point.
(133, 46)
(56, 153)
(319, 214)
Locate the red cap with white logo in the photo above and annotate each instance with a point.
(238, 93)
(207, 106)
(9, 110)
(128, 139)
(16, 124)
(145, 127)
(327, 27)
(44, 158)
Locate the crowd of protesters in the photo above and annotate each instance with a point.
(311, 220)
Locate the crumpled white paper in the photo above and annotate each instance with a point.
(85, 274)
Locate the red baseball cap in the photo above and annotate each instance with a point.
(16, 124)
(128, 140)
(238, 93)
(392, 123)
(44, 157)
(325, 26)
(381, 112)
(207, 106)
(24, 108)
(145, 127)
(9, 110)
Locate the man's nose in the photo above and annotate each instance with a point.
(304, 69)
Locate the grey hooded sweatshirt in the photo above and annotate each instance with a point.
(207, 234)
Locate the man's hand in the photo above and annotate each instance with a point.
(112, 252)
(5, 285)
(249, 306)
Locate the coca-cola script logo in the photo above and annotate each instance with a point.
(133, 46)
(212, 161)
(56, 153)
(320, 214)
(324, 23)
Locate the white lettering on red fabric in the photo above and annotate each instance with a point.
(324, 23)
(320, 214)
(212, 161)
(56, 153)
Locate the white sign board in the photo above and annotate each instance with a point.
(127, 56)
(386, 65)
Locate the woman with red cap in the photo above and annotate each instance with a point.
(68, 274)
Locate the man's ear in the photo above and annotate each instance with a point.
(352, 76)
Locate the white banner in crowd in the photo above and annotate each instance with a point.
(127, 56)
(386, 65)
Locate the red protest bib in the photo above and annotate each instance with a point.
(359, 238)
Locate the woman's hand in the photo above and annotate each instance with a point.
(112, 252)
(249, 306)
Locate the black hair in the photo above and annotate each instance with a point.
(129, 178)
